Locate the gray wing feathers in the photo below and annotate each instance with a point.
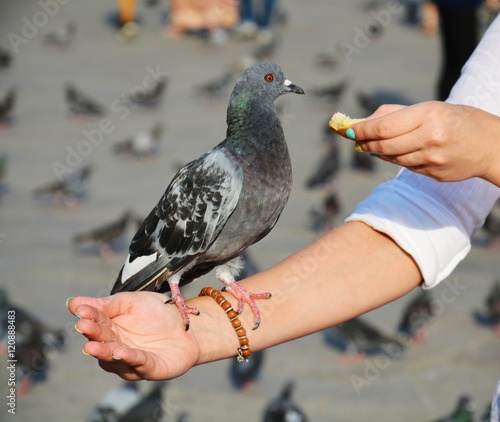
(197, 205)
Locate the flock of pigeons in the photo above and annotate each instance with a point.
(353, 339)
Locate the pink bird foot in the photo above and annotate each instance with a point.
(244, 296)
(181, 305)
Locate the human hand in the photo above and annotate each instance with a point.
(136, 335)
(444, 141)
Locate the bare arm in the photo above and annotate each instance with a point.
(349, 271)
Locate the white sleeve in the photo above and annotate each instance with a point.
(433, 221)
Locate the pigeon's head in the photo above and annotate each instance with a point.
(264, 81)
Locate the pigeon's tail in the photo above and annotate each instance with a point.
(143, 273)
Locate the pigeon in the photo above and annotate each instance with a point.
(36, 344)
(493, 304)
(143, 144)
(152, 96)
(5, 58)
(80, 104)
(363, 162)
(7, 106)
(68, 191)
(327, 59)
(108, 235)
(491, 316)
(416, 317)
(148, 408)
(370, 103)
(283, 408)
(491, 227)
(183, 417)
(356, 338)
(62, 36)
(327, 168)
(323, 215)
(486, 416)
(116, 403)
(464, 411)
(216, 89)
(244, 375)
(3, 174)
(331, 93)
(266, 50)
(221, 203)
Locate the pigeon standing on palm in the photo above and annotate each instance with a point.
(218, 205)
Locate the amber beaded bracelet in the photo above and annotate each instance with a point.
(244, 349)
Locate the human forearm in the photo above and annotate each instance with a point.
(347, 272)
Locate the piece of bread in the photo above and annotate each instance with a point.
(340, 123)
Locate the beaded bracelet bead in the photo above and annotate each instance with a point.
(244, 351)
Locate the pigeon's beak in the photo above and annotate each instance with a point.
(290, 87)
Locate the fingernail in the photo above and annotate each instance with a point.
(76, 328)
(350, 133)
(67, 301)
(85, 353)
(357, 147)
(116, 358)
(372, 154)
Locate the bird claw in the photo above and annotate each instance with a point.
(244, 296)
(183, 308)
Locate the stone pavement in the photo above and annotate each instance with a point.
(41, 269)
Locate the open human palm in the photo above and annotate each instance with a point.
(135, 335)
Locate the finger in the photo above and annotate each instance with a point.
(111, 305)
(394, 124)
(121, 370)
(400, 145)
(96, 331)
(128, 363)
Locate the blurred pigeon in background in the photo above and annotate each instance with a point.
(151, 96)
(323, 215)
(370, 103)
(357, 338)
(62, 36)
(80, 104)
(216, 89)
(220, 204)
(3, 174)
(5, 58)
(143, 144)
(491, 227)
(244, 375)
(69, 191)
(464, 411)
(283, 408)
(327, 168)
(149, 408)
(116, 402)
(331, 93)
(491, 316)
(107, 237)
(416, 317)
(7, 104)
(34, 347)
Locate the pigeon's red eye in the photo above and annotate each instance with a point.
(269, 77)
